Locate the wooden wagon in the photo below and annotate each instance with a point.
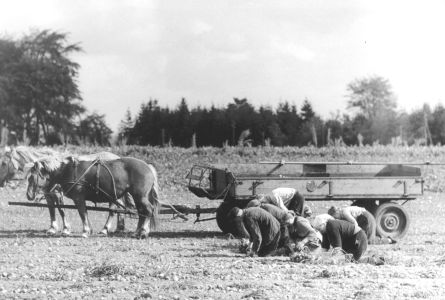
(381, 188)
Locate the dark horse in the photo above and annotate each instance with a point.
(101, 181)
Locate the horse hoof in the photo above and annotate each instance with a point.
(66, 232)
(120, 229)
(85, 235)
(51, 231)
(143, 234)
(140, 235)
(136, 234)
(103, 232)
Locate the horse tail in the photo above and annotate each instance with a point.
(154, 198)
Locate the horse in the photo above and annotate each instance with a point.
(101, 181)
(18, 159)
(21, 158)
(103, 156)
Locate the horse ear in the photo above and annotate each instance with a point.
(42, 165)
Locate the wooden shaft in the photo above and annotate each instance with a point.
(180, 208)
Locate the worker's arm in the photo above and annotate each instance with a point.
(255, 236)
(347, 216)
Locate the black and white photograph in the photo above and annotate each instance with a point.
(222, 149)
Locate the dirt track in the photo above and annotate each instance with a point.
(183, 260)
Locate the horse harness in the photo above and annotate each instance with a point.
(78, 180)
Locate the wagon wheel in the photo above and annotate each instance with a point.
(221, 213)
(392, 220)
(223, 210)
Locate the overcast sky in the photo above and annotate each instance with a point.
(266, 51)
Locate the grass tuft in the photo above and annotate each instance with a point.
(109, 269)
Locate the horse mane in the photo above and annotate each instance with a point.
(23, 155)
(52, 163)
(105, 156)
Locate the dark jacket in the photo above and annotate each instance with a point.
(281, 216)
(263, 228)
(341, 234)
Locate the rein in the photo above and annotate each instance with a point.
(79, 181)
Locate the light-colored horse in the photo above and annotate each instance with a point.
(19, 160)
(22, 158)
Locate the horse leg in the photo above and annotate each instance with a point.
(121, 217)
(120, 223)
(120, 226)
(110, 217)
(137, 233)
(140, 210)
(52, 214)
(120, 220)
(81, 207)
(66, 227)
(145, 213)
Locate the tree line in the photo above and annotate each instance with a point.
(39, 95)
(373, 119)
(41, 103)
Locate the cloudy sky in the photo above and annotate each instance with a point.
(266, 51)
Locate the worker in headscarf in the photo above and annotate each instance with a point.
(319, 223)
(304, 235)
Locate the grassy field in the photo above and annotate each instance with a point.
(183, 260)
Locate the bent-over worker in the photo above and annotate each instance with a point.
(286, 199)
(358, 216)
(344, 235)
(263, 229)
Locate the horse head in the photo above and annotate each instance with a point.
(38, 179)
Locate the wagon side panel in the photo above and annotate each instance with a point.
(335, 188)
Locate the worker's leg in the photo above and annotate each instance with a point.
(333, 234)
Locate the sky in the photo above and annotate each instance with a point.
(209, 52)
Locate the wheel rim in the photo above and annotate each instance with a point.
(393, 222)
